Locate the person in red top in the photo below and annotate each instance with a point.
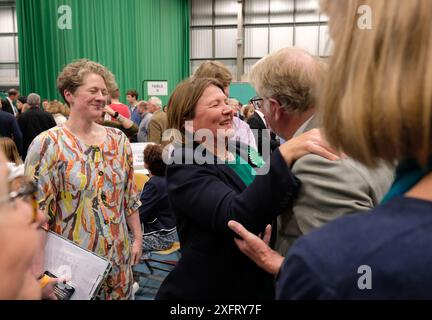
(117, 106)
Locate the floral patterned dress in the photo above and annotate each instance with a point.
(87, 191)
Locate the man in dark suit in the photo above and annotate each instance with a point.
(9, 128)
(264, 137)
(34, 121)
(8, 103)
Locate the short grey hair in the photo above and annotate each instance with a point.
(33, 100)
(291, 76)
(156, 101)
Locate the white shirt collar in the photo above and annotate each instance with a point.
(261, 116)
(14, 109)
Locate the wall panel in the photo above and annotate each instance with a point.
(225, 40)
(201, 12)
(201, 43)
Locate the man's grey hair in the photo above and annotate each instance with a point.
(156, 101)
(33, 100)
(291, 76)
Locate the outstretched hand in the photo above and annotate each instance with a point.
(257, 249)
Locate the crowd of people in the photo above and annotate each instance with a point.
(326, 172)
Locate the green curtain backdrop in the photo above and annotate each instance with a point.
(136, 39)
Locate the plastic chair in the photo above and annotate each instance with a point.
(140, 180)
(152, 270)
(150, 260)
(149, 257)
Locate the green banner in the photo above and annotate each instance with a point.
(135, 39)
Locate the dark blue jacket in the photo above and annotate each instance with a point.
(7, 107)
(155, 211)
(9, 128)
(386, 250)
(204, 198)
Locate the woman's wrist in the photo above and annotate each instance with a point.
(138, 239)
(287, 154)
(137, 235)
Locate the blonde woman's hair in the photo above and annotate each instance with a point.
(291, 76)
(54, 107)
(233, 102)
(73, 75)
(216, 70)
(248, 109)
(377, 99)
(65, 109)
(10, 150)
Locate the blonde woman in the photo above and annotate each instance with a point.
(248, 111)
(56, 109)
(9, 148)
(15, 164)
(376, 105)
(84, 175)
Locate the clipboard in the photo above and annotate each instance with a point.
(86, 270)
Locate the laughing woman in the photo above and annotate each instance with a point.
(209, 183)
(84, 175)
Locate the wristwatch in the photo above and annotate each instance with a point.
(116, 114)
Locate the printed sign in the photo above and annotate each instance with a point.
(157, 88)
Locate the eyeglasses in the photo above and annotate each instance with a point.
(257, 102)
(27, 192)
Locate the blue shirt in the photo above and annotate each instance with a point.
(393, 240)
(135, 116)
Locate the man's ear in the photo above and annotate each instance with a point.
(226, 90)
(276, 109)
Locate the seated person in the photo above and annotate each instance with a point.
(56, 109)
(157, 218)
